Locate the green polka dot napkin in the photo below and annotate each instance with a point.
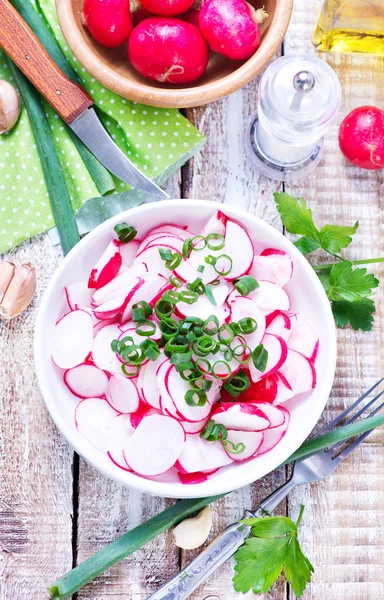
(159, 141)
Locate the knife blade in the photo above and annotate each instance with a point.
(69, 99)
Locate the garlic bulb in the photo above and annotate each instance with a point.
(17, 288)
(9, 106)
(192, 533)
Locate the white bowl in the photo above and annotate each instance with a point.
(308, 298)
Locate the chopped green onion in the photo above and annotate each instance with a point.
(133, 355)
(196, 398)
(168, 327)
(216, 367)
(201, 384)
(214, 432)
(190, 337)
(115, 346)
(150, 349)
(197, 286)
(245, 285)
(141, 311)
(200, 268)
(187, 371)
(226, 267)
(247, 325)
(228, 354)
(203, 361)
(232, 448)
(164, 308)
(198, 243)
(134, 370)
(125, 232)
(216, 282)
(165, 253)
(204, 345)
(188, 296)
(241, 353)
(215, 241)
(145, 328)
(180, 358)
(178, 343)
(210, 260)
(187, 247)
(171, 296)
(198, 331)
(260, 358)
(226, 334)
(237, 384)
(210, 296)
(176, 281)
(127, 341)
(211, 325)
(173, 262)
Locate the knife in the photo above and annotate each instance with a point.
(69, 99)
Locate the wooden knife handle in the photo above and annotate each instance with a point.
(68, 98)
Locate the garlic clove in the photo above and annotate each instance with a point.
(193, 532)
(7, 271)
(9, 106)
(19, 293)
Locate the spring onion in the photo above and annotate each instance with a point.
(200, 268)
(130, 370)
(247, 325)
(217, 367)
(225, 265)
(197, 286)
(226, 334)
(210, 296)
(260, 358)
(141, 311)
(188, 297)
(232, 448)
(171, 296)
(150, 349)
(198, 243)
(204, 345)
(187, 247)
(163, 308)
(215, 241)
(201, 384)
(180, 358)
(174, 262)
(195, 397)
(213, 432)
(125, 232)
(178, 343)
(211, 325)
(115, 346)
(168, 327)
(245, 285)
(165, 253)
(203, 369)
(176, 281)
(145, 328)
(237, 384)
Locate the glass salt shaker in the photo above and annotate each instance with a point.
(298, 98)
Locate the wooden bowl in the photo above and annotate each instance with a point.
(223, 76)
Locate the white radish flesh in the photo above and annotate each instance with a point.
(95, 420)
(251, 440)
(239, 248)
(86, 381)
(171, 229)
(102, 354)
(303, 339)
(173, 242)
(200, 455)
(148, 291)
(299, 372)
(203, 308)
(110, 309)
(121, 285)
(128, 252)
(277, 353)
(155, 445)
(152, 261)
(273, 413)
(147, 383)
(177, 388)
(279, 323)
(122, 394)
(122, 431)
(273, 436)
(270, 297)
(107, 267)
(78, 294)
(243, 307)
(273, 265)
(241, 417)
(216, 224)
(73, 339)
(196, 427)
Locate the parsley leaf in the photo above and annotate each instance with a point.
(350, 284)
(262, 558)
(336, 237)
(358, 314)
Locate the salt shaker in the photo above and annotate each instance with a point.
(298, 98)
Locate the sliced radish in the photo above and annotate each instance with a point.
(299, 372)
(216, 224)
(86, 381)
(122, 431)
(283, 391)
(219, 359)
(109, 253)
(277, 353)
(175, 243)
(264, 390)
(102, 353)
(192, 478)
(155, 445)
(239, 247)
(110, 309)
(177, 388)
(95, 420)
(188, 270)
(241, 417)
(170, 476)
(128, 252)
(101, 324)
(203, 308)
(144, 411)
(279, 323)
(172, 229)
(303, 339)
(152, 284)
(147, 383)
(195, 427)
(122, 394)
(270, 297)
(73, 339)
(243, 307)
(166, 402)
(252, 441)
(274, 414)
(273, 265)
(78, 294)
(273, 436)
(200, 455)
(152, 261)
(121, 285)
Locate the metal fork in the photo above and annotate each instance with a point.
(306, 470)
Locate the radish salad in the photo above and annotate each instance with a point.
(182, 349)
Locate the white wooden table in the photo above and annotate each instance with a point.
(55, 511)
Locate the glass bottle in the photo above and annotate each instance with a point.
(351, 26)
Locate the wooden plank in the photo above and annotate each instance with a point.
(343, 523)
(35, 461)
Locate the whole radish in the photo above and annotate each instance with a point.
(361, 137)
(108, 21)
(138, 12)
(231, 27)
(167, 8)
(168, 50)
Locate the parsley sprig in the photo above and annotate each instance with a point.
(347, 288)
(273, 547)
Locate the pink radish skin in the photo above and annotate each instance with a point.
(101, 324)
(199, 455)
(78, 294)
(121, 285)
(283, 391)
(86, 381)
(237, 38)
(269, 297)
(95, 421)
(196, 427)
(277, 353)
(303, 339)
(239, 247)
(108, 255)
(167, 8)
(108, 21)
(122, 394)
(147, 382)
(361, 137)
(241, 417)
(252, 441)
(73, 339)
(272, 265)
(177, 388)
(138, 12)
(279, 323)
(110, 309)
(171, 229)
(149, 289)
(192, 478)
(274, 414)
(155, 445)
(216, 224)
(273, 436)
(138, 416)
(160, 49)
(102, 354)
(158, 238)
(299, 372)
(128, 252)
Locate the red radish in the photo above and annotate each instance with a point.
(102, 354)
(243, 307)
(86, 381)
(177, 388)
(216, 224)
(170, 229)
(110, 309)
(196, 427)
(252, 441)
(274, 414)
(303, 339)
(78, 294)
(128, 252)
(122, 394)
(96, 420)
(231, 27)
(239, 247)
(147, 384)
(200, 455)
(121, 285)
(108, 21)
(269, 297)
(277, 353)
(158, 239)
(148, 291)
(361, 137)
(279, 323)
(143, 411)
(192, 478)
(168, 50)
(283, 391)
(273, 436)
(299, 372)
(73, 339)
(155, 445)
(272, 265)
(264, 390)
(153, 262)
(203, 308)
(241, 416)
(167, 8)
(138, 12)
(122, 431)
(108, 265)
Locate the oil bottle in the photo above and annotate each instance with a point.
(351, 26)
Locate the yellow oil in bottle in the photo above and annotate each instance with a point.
(351, 26)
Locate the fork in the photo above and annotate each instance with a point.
(306, 470)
